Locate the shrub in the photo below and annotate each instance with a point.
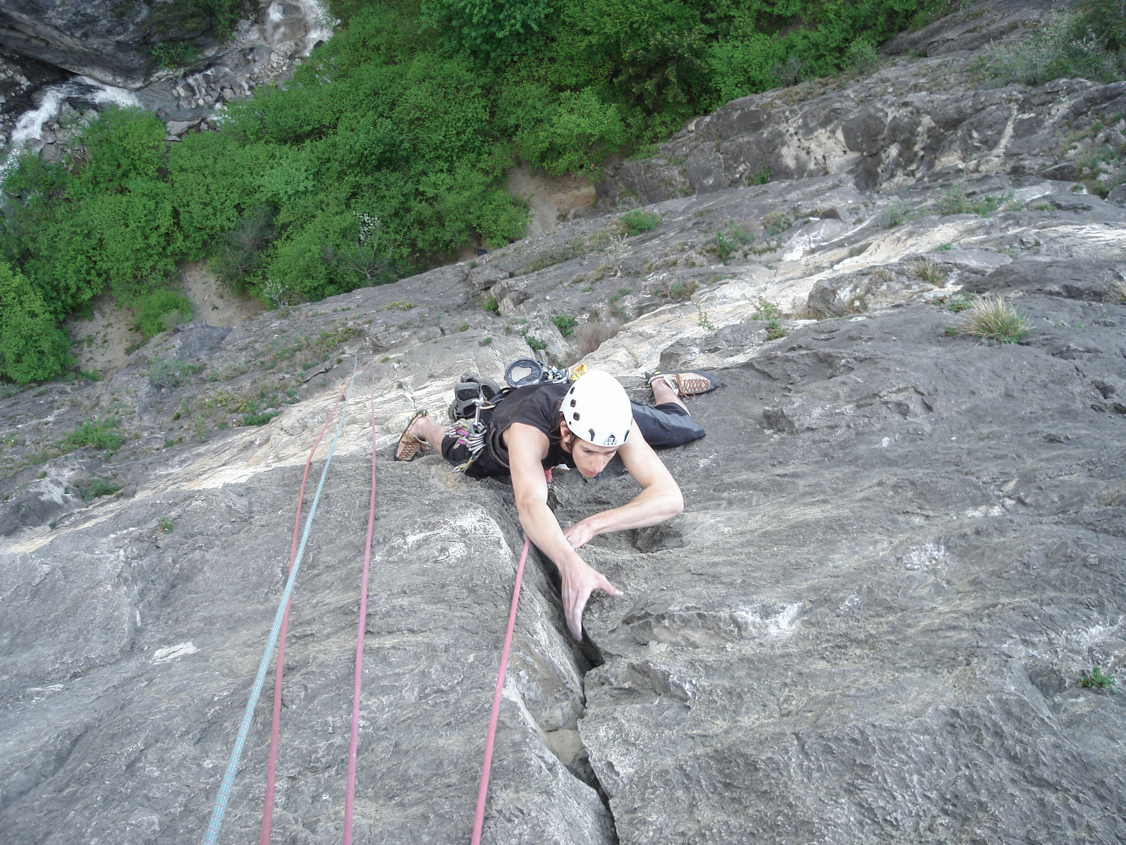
(160, 310)
(593, 334)
(990, 317)
(92, 488)
(241, 260)
(99, 434)
(1066, 46)
(729, 240)
(777, 222)
(33, 346)
(861, 57)
(774, 330)
(766, 310)
(637, 222)
(492, 28)
(565, 324)
(582, 129)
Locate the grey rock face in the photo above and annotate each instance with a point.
(904, 122)
(902, 545)
(103, 39)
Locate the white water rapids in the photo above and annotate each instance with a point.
(29, 126)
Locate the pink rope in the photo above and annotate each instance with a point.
(482, 790)
(349, 797)
(275, 730)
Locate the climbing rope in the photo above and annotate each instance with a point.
(349, 796)
(224, 796)
(483, 788)
(275, 728)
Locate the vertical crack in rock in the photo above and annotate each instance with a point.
(556, 723)
(587, 657)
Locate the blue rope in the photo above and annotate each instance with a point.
(236, 753)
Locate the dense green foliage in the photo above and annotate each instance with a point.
(32, 346)
(387, 150)
(1089, 44)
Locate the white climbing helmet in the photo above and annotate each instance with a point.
(597, 409)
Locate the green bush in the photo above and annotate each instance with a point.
(638, 222)
(241, 261)
(162, 309)
(581, 130)
(411, 114)
(494, 28)
(99, 434)
(93, 488)
(565, 323)
(33, 347)
(1066, 47)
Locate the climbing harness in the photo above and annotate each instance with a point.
(476, 397)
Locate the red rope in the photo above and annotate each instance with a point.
(482, 790)
(272, 765)
(351, 789)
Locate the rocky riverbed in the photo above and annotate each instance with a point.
(903, 545)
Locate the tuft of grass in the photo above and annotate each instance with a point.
(679, 290)
(928, 271)
(594, 333)
(490, 304)
(957, 201)
(171, 372)
(1097, 679)
(994, 317)
(637, 222)
(895, 215)
(252, 418)
(777, 222)
(961, 303)
(1117, 292)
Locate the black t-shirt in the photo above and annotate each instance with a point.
(538, 406)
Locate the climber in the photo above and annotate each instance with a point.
(583, 424)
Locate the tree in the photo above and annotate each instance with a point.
(33, 347)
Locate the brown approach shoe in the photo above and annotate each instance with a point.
(410, 446)
(688, 384)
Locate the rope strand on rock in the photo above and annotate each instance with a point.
(275, 728)
(224, 796)
(349, 797)
(483, 788)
